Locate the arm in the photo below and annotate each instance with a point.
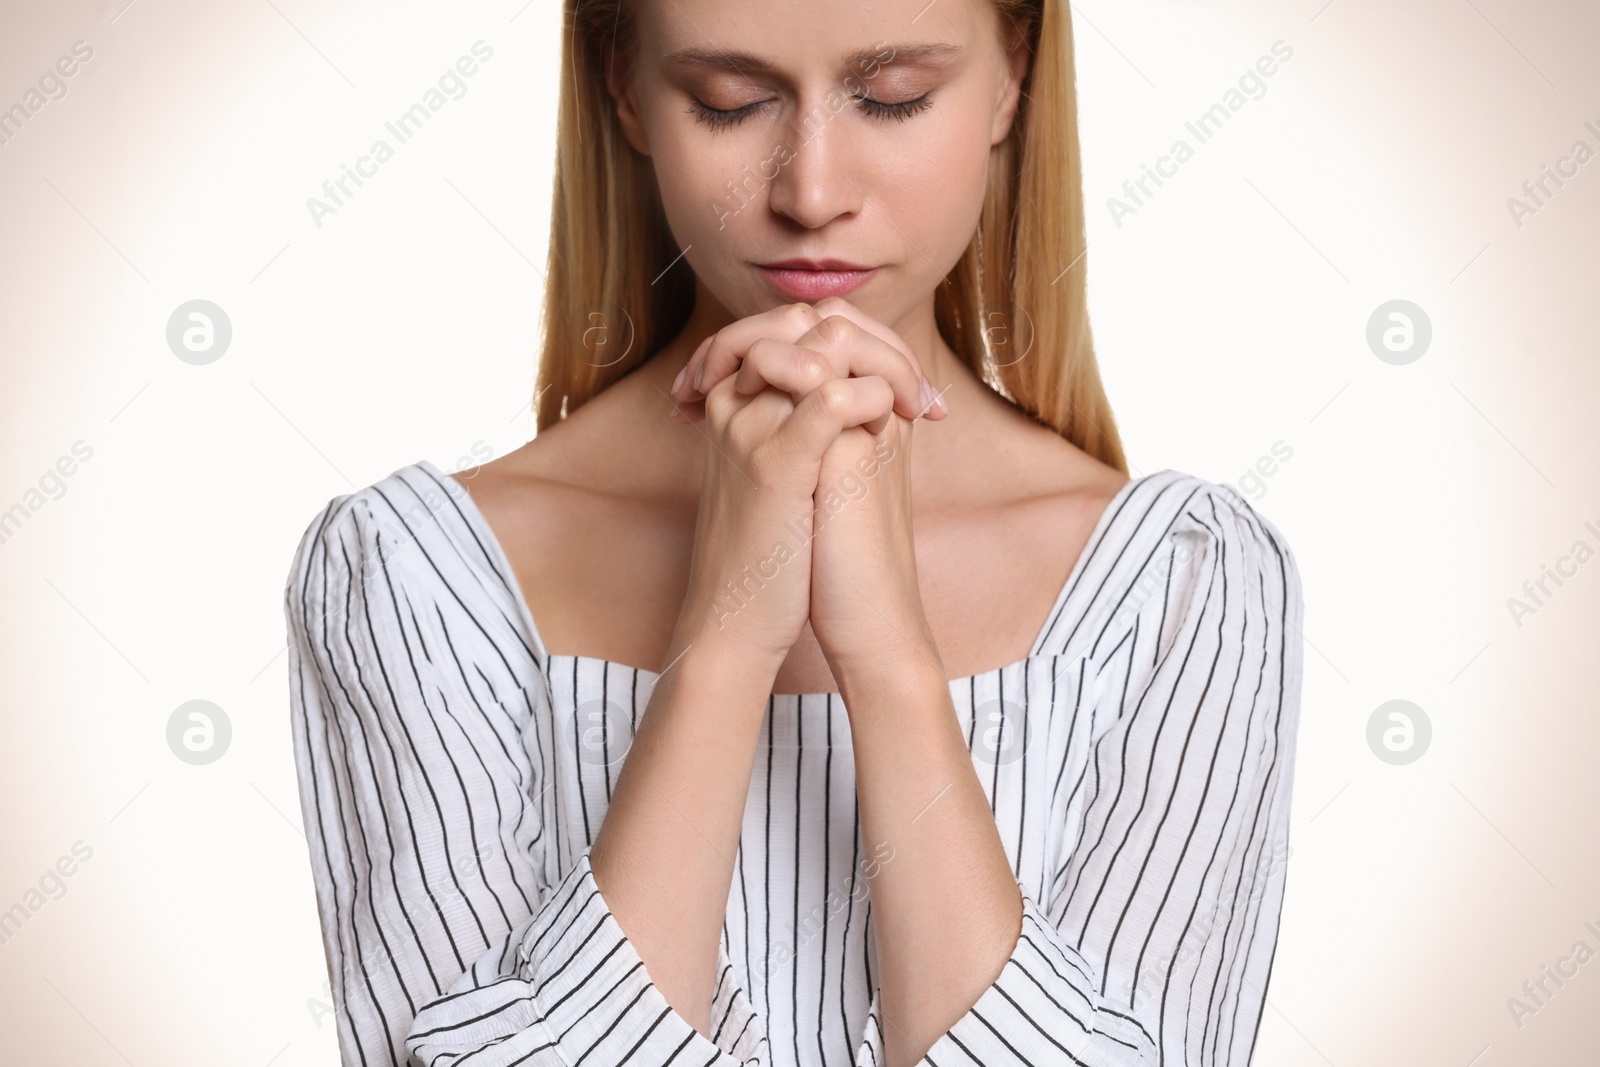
(415, 869)
(443, 935)
(1154, 941)
(947, 907)
(665, 853)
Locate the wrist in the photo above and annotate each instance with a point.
(709, 658)
(867, 680)
(880, 650)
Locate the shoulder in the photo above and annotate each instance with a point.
(379, 529)
(1170, 503)
(1175, 536)
(402, 574)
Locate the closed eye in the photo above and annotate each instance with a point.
(900, 111)
(720, 119)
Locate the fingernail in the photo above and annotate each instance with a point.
(940, 402)
(929, 401)
(699, 372)
(678, 381)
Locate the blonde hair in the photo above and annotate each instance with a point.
(1021, 281)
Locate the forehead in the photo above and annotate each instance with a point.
(787, 36)
(881, 53)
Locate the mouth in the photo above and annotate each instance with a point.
(811, 280)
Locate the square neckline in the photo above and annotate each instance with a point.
(502, 562)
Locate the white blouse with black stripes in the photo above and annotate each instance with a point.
(453, 774)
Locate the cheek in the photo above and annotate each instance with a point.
(936, 185)
(703, 215)
(693, 172)
(687, 182)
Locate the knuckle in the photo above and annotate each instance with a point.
(836, 330)
(720, 402)
(816, 369)
(833, 396)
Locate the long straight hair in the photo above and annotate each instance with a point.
(1014, 308)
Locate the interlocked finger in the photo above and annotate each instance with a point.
(853, 342)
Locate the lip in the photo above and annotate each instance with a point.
(813, 279)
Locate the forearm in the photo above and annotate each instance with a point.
(664, 855)
(946, 909)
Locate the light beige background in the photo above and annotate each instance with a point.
(1230, 313)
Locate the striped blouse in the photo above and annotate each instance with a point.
(453, 773)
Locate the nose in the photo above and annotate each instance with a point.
(814, 187)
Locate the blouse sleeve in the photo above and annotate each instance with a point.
(1154, 942)
(444, 940)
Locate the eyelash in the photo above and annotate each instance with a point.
(719, 120)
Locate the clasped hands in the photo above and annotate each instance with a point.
(808, 410)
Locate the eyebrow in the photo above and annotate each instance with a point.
(745, 62)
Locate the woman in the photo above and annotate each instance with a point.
(772, 802)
